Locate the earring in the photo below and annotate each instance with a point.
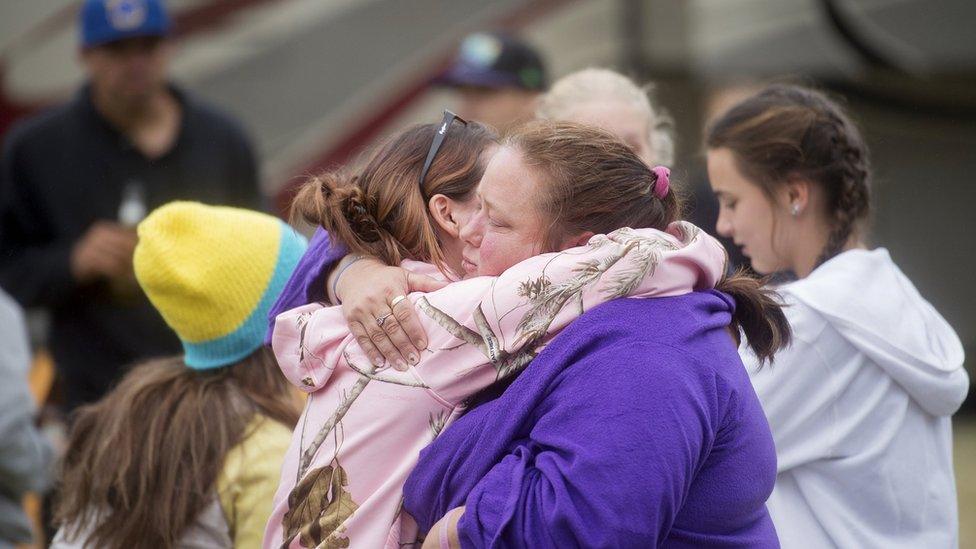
(795, 210)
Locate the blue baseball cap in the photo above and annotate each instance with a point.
(104, 21)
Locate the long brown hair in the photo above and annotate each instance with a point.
(594, 182)
(787, 131)
(382, 210)
(142, 463)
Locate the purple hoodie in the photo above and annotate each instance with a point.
(307, 282)
(636, 427)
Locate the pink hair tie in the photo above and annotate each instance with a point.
(663, 183)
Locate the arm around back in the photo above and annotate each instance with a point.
(307, 282)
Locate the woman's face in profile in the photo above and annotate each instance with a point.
(507, 227)
(746, 215)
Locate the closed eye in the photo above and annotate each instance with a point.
(726, 201)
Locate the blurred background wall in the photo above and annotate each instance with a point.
(316, 81)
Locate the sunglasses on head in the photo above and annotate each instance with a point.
(435, 145)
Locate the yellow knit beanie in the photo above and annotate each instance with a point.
(213, 273)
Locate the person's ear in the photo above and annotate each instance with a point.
(796, 194)
(579, 240)
(442, 210)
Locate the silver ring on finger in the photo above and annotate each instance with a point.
(381, 319)
(396, 300)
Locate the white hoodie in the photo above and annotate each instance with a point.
(860, 410)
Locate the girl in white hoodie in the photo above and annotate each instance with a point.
(860, 405)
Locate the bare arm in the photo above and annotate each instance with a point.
(444, 533)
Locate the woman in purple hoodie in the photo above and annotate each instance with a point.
(637, 426)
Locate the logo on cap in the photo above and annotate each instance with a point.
(126, 15)
(480, 50)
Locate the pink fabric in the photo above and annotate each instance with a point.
(663, 183)
(445, 540)
(371, 423)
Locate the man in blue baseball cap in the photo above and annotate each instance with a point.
(126, 57)
(498, 78)
(76, 179)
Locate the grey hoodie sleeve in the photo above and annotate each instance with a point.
(25, 455)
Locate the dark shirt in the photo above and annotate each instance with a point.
(66, 169)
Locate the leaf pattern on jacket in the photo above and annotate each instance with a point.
(437, 423)
(484, 339)
(317, 507)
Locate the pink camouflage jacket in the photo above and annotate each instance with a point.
(363, 427)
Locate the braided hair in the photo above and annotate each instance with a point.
(788, 131)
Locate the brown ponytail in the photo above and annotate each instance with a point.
(382, 210)
(758, 314)
(335, 202)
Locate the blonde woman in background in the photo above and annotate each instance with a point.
(610, 101)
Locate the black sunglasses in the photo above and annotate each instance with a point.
(435, 145)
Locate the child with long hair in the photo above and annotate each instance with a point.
(186, 451)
